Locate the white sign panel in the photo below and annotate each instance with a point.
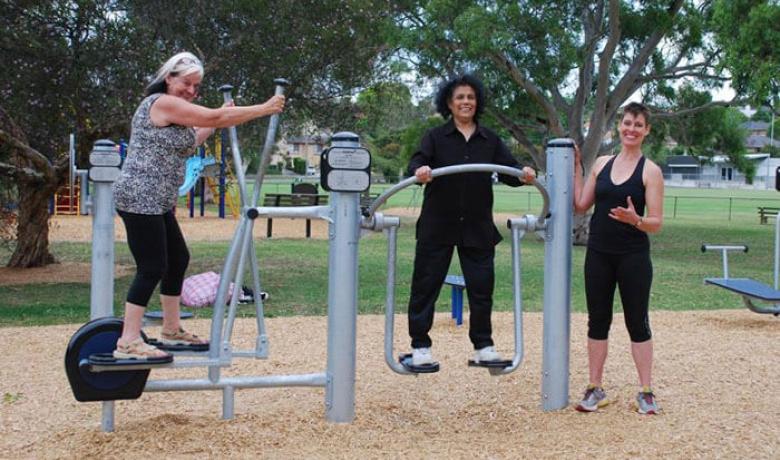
(110, 158)
(348, 181)
(349, 158)
(103, 173)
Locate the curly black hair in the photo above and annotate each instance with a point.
(444, 96)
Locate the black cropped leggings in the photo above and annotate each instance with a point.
(160, 254)
(632, 274)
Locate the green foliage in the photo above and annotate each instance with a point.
(748, 32)
(564, 68)
(385, 112)
(299, 166)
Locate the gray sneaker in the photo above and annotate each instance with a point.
(594, 399)
(645, 402)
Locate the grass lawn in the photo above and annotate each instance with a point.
(294, 271)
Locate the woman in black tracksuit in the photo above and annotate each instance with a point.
(627, 190)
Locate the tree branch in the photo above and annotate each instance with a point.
(15, 172)
(38, 160)
(534, 91)
(664, 115)
(518, 133)
(627, 82)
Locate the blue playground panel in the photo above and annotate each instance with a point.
(747, 287)
(458, 286)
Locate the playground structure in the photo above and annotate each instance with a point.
(73, 198)
(757, 296)
(207, 169)
(345, 173)
(203, 169)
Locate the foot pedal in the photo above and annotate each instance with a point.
(194, 347)
(501, 364)
(107, 362)
(406, 361)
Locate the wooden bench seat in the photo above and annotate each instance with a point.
(292, 199)
(765, 212)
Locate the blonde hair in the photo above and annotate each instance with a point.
(184, 63)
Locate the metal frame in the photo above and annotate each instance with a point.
(748, 300)
(345, 223)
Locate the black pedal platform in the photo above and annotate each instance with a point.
(501, 364)
(406, 361)
(108, 360)
(201, 347)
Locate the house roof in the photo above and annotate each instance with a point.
(755, 125)
(682, 161)
(319, 140)
(748, 156)
(758, 142)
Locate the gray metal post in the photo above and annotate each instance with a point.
(104, 163)
(344, 234)
(557, 276)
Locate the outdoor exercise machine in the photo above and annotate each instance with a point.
(93, 373)
(345, 173)
(554, 223)
(751, 290)
(757, 296)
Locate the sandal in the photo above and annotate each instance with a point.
(138, 349)
(181, 337)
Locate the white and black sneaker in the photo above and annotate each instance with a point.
(422, 356)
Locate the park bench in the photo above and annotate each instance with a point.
(765, 212)
(292, 199)
(458, 284)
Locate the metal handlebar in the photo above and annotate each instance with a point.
(270, 138)
(457, 169)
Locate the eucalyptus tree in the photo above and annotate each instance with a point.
(81, 66)
(565, 68)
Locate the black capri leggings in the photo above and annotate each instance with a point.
(633, 274)
(160, 254)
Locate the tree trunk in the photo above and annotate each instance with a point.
(581, 227)
(32, 232)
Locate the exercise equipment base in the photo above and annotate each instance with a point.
(95, 338)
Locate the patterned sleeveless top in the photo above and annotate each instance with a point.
(154, 167)
(606, 234)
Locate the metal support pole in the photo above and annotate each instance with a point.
(228, 403)
(104, 161)
(344, 235)
(557, 276)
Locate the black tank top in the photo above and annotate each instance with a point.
(607, 234)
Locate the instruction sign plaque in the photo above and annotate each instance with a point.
(345, 169)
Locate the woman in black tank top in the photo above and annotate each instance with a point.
(627, 190)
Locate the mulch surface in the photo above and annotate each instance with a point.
(716, 376)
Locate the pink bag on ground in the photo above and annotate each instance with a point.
(201, 290)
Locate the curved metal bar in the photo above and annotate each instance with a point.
(518, 232)
(458, 169)
(392, 237)
(775, 310)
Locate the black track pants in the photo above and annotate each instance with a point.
(431, 263)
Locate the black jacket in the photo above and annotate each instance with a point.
(458, 209)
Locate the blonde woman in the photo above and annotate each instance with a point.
(166, 128)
